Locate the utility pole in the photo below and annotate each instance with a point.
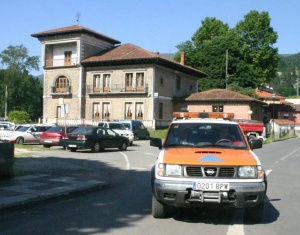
(5, 115)
(226, 66)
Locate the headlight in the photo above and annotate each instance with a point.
(169, 170)
(247, 172)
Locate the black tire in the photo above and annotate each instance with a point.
(255, 213)
(20, 140)
(96, 147)
(46, 146)
(123, 146)
(158, 209)
(73, 149)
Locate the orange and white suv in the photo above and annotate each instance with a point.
(206, 160)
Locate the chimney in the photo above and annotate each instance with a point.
(182, 57)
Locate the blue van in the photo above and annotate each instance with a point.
(137, 128)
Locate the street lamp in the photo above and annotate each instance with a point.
(273, 98)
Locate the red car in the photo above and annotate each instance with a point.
(53, 136)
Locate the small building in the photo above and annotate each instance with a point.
(223, 100)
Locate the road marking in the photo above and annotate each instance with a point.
(268, 172)
(289, 154)
(237, 226)
(151, 154)
(126, 160)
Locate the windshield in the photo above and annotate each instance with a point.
(24, 128)
(205, 135)
(117, 126)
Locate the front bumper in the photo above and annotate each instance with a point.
(181, 194)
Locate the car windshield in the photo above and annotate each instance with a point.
(56, 129)
(201, 135)
(24, 128)
(83, 131)
(127, 125)
(117, 126)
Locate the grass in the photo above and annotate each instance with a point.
(158, 133)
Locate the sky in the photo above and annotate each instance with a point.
(155, 25)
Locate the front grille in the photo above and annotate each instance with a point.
(226, 172)
(194, 171)
(211, 172)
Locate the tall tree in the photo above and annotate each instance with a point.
(252, 60)
(24, 90)
(255, 38)
(17, 58)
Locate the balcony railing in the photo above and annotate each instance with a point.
(60, 62)
(117, 88)
(61, 90)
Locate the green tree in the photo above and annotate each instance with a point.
(206, 51)
(17, 58)
(255, 38)
(24, 90)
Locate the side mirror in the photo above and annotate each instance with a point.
(156, 142)
(255, 144)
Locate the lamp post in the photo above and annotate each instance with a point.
(273, 98)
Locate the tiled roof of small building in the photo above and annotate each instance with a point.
(75, 29)
(132, 54)
(221, 95)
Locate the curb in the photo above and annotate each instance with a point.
(41, 198)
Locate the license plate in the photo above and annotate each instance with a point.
(48, 141)
(72, 145)
(211, 186)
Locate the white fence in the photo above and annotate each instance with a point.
(151, 124)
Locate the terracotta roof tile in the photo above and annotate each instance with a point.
(220, 94)
(74, 29)
(267, 95)
(283, 122)
(129, 51)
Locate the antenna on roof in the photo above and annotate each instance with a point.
(77, 17)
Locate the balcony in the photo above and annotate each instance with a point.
(50, 63)
(117, 88)
(61, 90)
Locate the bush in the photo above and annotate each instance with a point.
(18, 117)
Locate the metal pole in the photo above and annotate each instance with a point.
(226, 66)
(273, 97)
(5, 115)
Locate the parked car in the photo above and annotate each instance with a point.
(53, 136)
(95, 138)
(118, 128)
(27, 134)
(137, 128)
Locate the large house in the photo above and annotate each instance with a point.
(89, 77)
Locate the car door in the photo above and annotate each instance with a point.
(112, 139)
(31, 135)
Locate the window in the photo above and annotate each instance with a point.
(140, 79)
(58, 112)
(161, 80)
(128, 110)
(106, 110)
(218, 108)
(68, 57)
(178, 82)
(62, 84)
(160, 111)
(128, 81)
(139, 109)
(106, 82)
(96, 110)
(96, 83)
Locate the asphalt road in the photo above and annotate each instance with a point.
(125, 207)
